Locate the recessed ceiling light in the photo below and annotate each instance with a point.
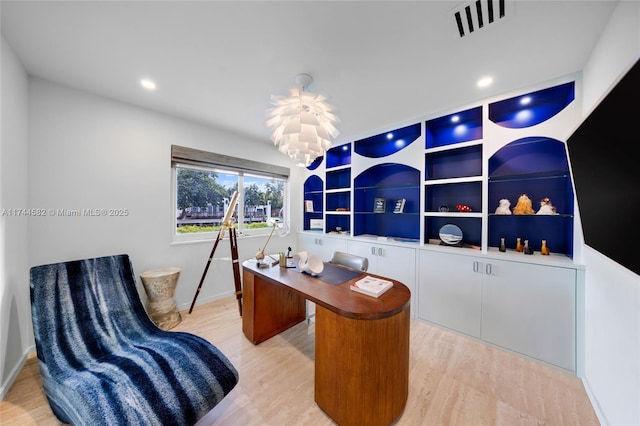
(485, 81)
(148, 84)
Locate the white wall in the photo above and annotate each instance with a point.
(90, 152)
(15, 314)
(612, 293)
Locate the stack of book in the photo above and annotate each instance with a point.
(371, 286)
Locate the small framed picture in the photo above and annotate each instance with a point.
(316, 224)
(379, 205)
(308, 206)
(399, 207)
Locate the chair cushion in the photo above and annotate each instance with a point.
(350, 261)
(103, 361)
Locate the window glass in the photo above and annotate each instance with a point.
(202, 197)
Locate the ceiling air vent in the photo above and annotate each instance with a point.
(475, 15)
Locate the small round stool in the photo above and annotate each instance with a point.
(160, 285)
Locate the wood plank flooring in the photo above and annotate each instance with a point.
(453, 381)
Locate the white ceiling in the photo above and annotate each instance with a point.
(380, 63)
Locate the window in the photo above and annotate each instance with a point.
(204, 184)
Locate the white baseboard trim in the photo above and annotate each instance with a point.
(4, 389)
(594, 402)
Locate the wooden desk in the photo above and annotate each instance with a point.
(362, 343)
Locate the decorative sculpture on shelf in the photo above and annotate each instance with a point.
(503, 207)
(546, 207)
(527, 249)
(544, 250)
(523, 206)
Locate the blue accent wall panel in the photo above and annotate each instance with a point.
(471, 228)
(388, 143)
(316, 163)
(462, 162)
(529, 155)
(339, 179)
(450, 195)
(557, 230)
(532, 108)
(339, 155)
(455, 128)
(335, 221)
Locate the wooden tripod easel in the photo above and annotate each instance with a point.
(226, 224)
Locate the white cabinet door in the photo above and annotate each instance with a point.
(365, 249)
(388, 260)
(320, 245)
(531, 309)
(399, 263)
(396, 262)
(450, 291)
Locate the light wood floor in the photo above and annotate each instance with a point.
(453, 381)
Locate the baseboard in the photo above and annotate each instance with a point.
(594, 402)
(202, 301)
(4, 389)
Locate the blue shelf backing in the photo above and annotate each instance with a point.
(313, 184)
(452, 194)
(391, 182)
(455, 128)
(336, 200)
(316, 163)
(388, 143)
(555, 187)
(455, 163)
(337, 221)
(313, 191)
(471, 228)
(339, 155)
(532, 108)
(538, 167)
(529, 155)
(388, 225)
(339, 179)
(557, 230)
(387, 174)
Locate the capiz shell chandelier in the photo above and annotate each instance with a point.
(303, 123)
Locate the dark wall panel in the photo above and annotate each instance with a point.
(605, 164)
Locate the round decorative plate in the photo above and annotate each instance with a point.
(450, 234)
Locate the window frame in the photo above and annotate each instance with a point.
(184, 157)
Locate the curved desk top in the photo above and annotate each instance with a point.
(337, 298)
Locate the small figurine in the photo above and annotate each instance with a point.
(502, 247)
(544, 250)
(546, 207)
(523, 206)
(527, 249)
(503, 207)
(463, 208)
(518, 245)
